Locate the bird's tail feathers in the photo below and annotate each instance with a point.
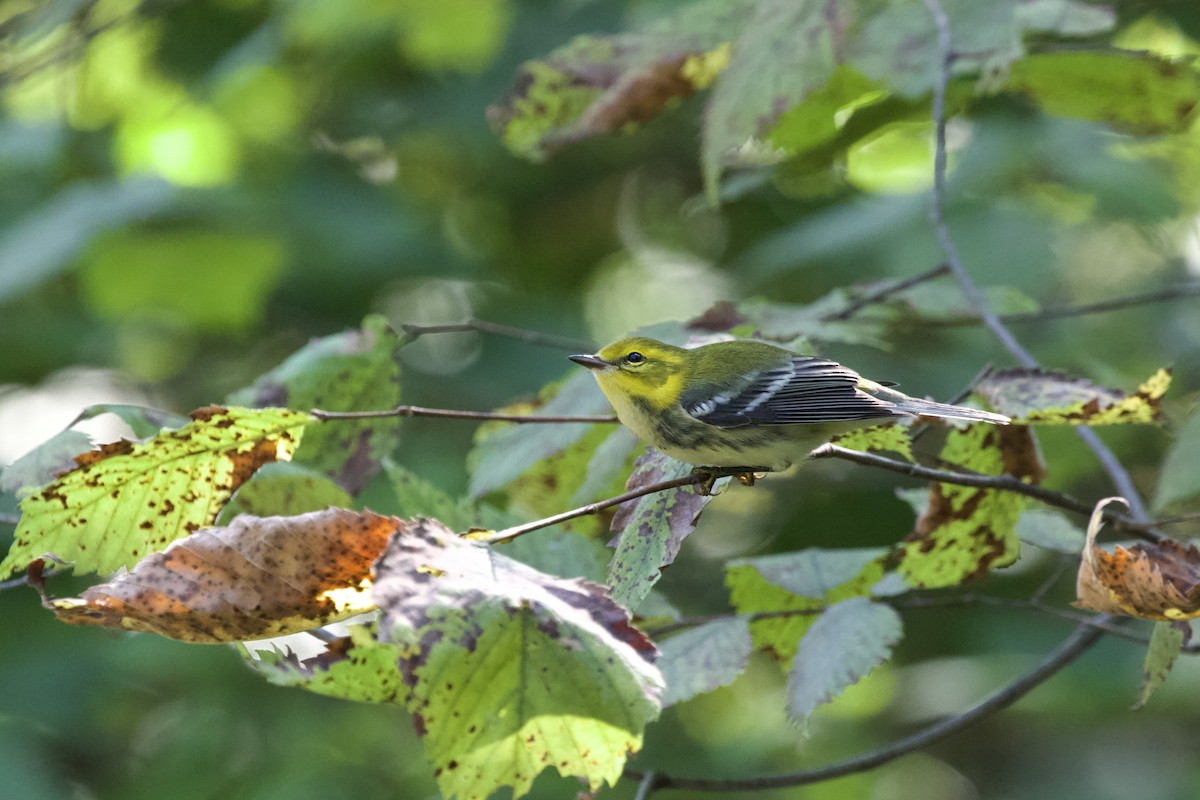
(929, 408)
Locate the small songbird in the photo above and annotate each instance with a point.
(746, 406)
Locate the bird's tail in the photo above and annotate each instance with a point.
(928, 408)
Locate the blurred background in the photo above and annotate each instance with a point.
(189, 191)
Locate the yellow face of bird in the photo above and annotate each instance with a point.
(642, 368)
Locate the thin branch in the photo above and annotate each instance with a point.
(1062, 312)
(450, 413)
(473, 325)
(884, 292)
(9, 519)
(1076, 644)
(646, 786)
(509, 534)
(974, 296)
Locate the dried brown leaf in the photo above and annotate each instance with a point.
(1158, 580)
(255, 578)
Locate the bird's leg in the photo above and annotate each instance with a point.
(710, 475)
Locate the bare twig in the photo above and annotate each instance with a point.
(450, 413)
(885, 292)
(974, 296)
(1061, 312)
(509, 534)
(473, 325)
(645, 786)
(1076, 644)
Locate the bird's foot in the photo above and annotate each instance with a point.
(708, 476)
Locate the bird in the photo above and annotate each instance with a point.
(744, 407)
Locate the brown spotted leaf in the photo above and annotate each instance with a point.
(652, 528)
(965, 530)
(126, 500)
(1054, 398)
(510, 670)
(1159, 580)
(256, 578)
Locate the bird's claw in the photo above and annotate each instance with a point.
(708, 476)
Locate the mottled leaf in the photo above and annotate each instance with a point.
(701, 659)
(1053, 398)
(1180, 475)
(892, 438)
(256, 578)
(511, 671)
(1136, 92)
(356, 370)
(652, 528)
(126, 500)
(966, 531)
(284, 489)
(844, 643)
(609, 84)
(1151, 580)
(804, 582)
(1166, 643)
(355, 667)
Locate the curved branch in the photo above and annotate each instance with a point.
(473, 325)
(974, 296)
(1076, 644)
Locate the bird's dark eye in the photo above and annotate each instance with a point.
(634, 358)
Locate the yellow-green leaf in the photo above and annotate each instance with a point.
(126, 500)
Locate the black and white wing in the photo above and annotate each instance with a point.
(806, 390)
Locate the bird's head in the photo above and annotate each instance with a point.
(639, 367)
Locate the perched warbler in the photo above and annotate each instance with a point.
(746, 406)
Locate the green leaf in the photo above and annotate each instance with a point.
(218, 280)
(891, 438)
(356, 370)
(504, 451)
(1050, 530)
(1180, 475)
(769, 73)
(355, 667)
(144, 420)
(511, 670)
(1139, 93)
(126, 500)
(1166, 643)
(848, 640)
(48, 239)
(966, 531)
(805, 582)
(284, 489)
(41, 464)
(652, 528)
(417, 497)
(704, 658)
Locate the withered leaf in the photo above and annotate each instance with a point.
(510, 670)
(126, 500)
(1151, 580)
(1055, 398)
(258, 577)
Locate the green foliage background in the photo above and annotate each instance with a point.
(190, 191)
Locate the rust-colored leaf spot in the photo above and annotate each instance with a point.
(257, 577)
(1158, 580)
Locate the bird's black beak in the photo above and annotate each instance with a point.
(591, 362)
